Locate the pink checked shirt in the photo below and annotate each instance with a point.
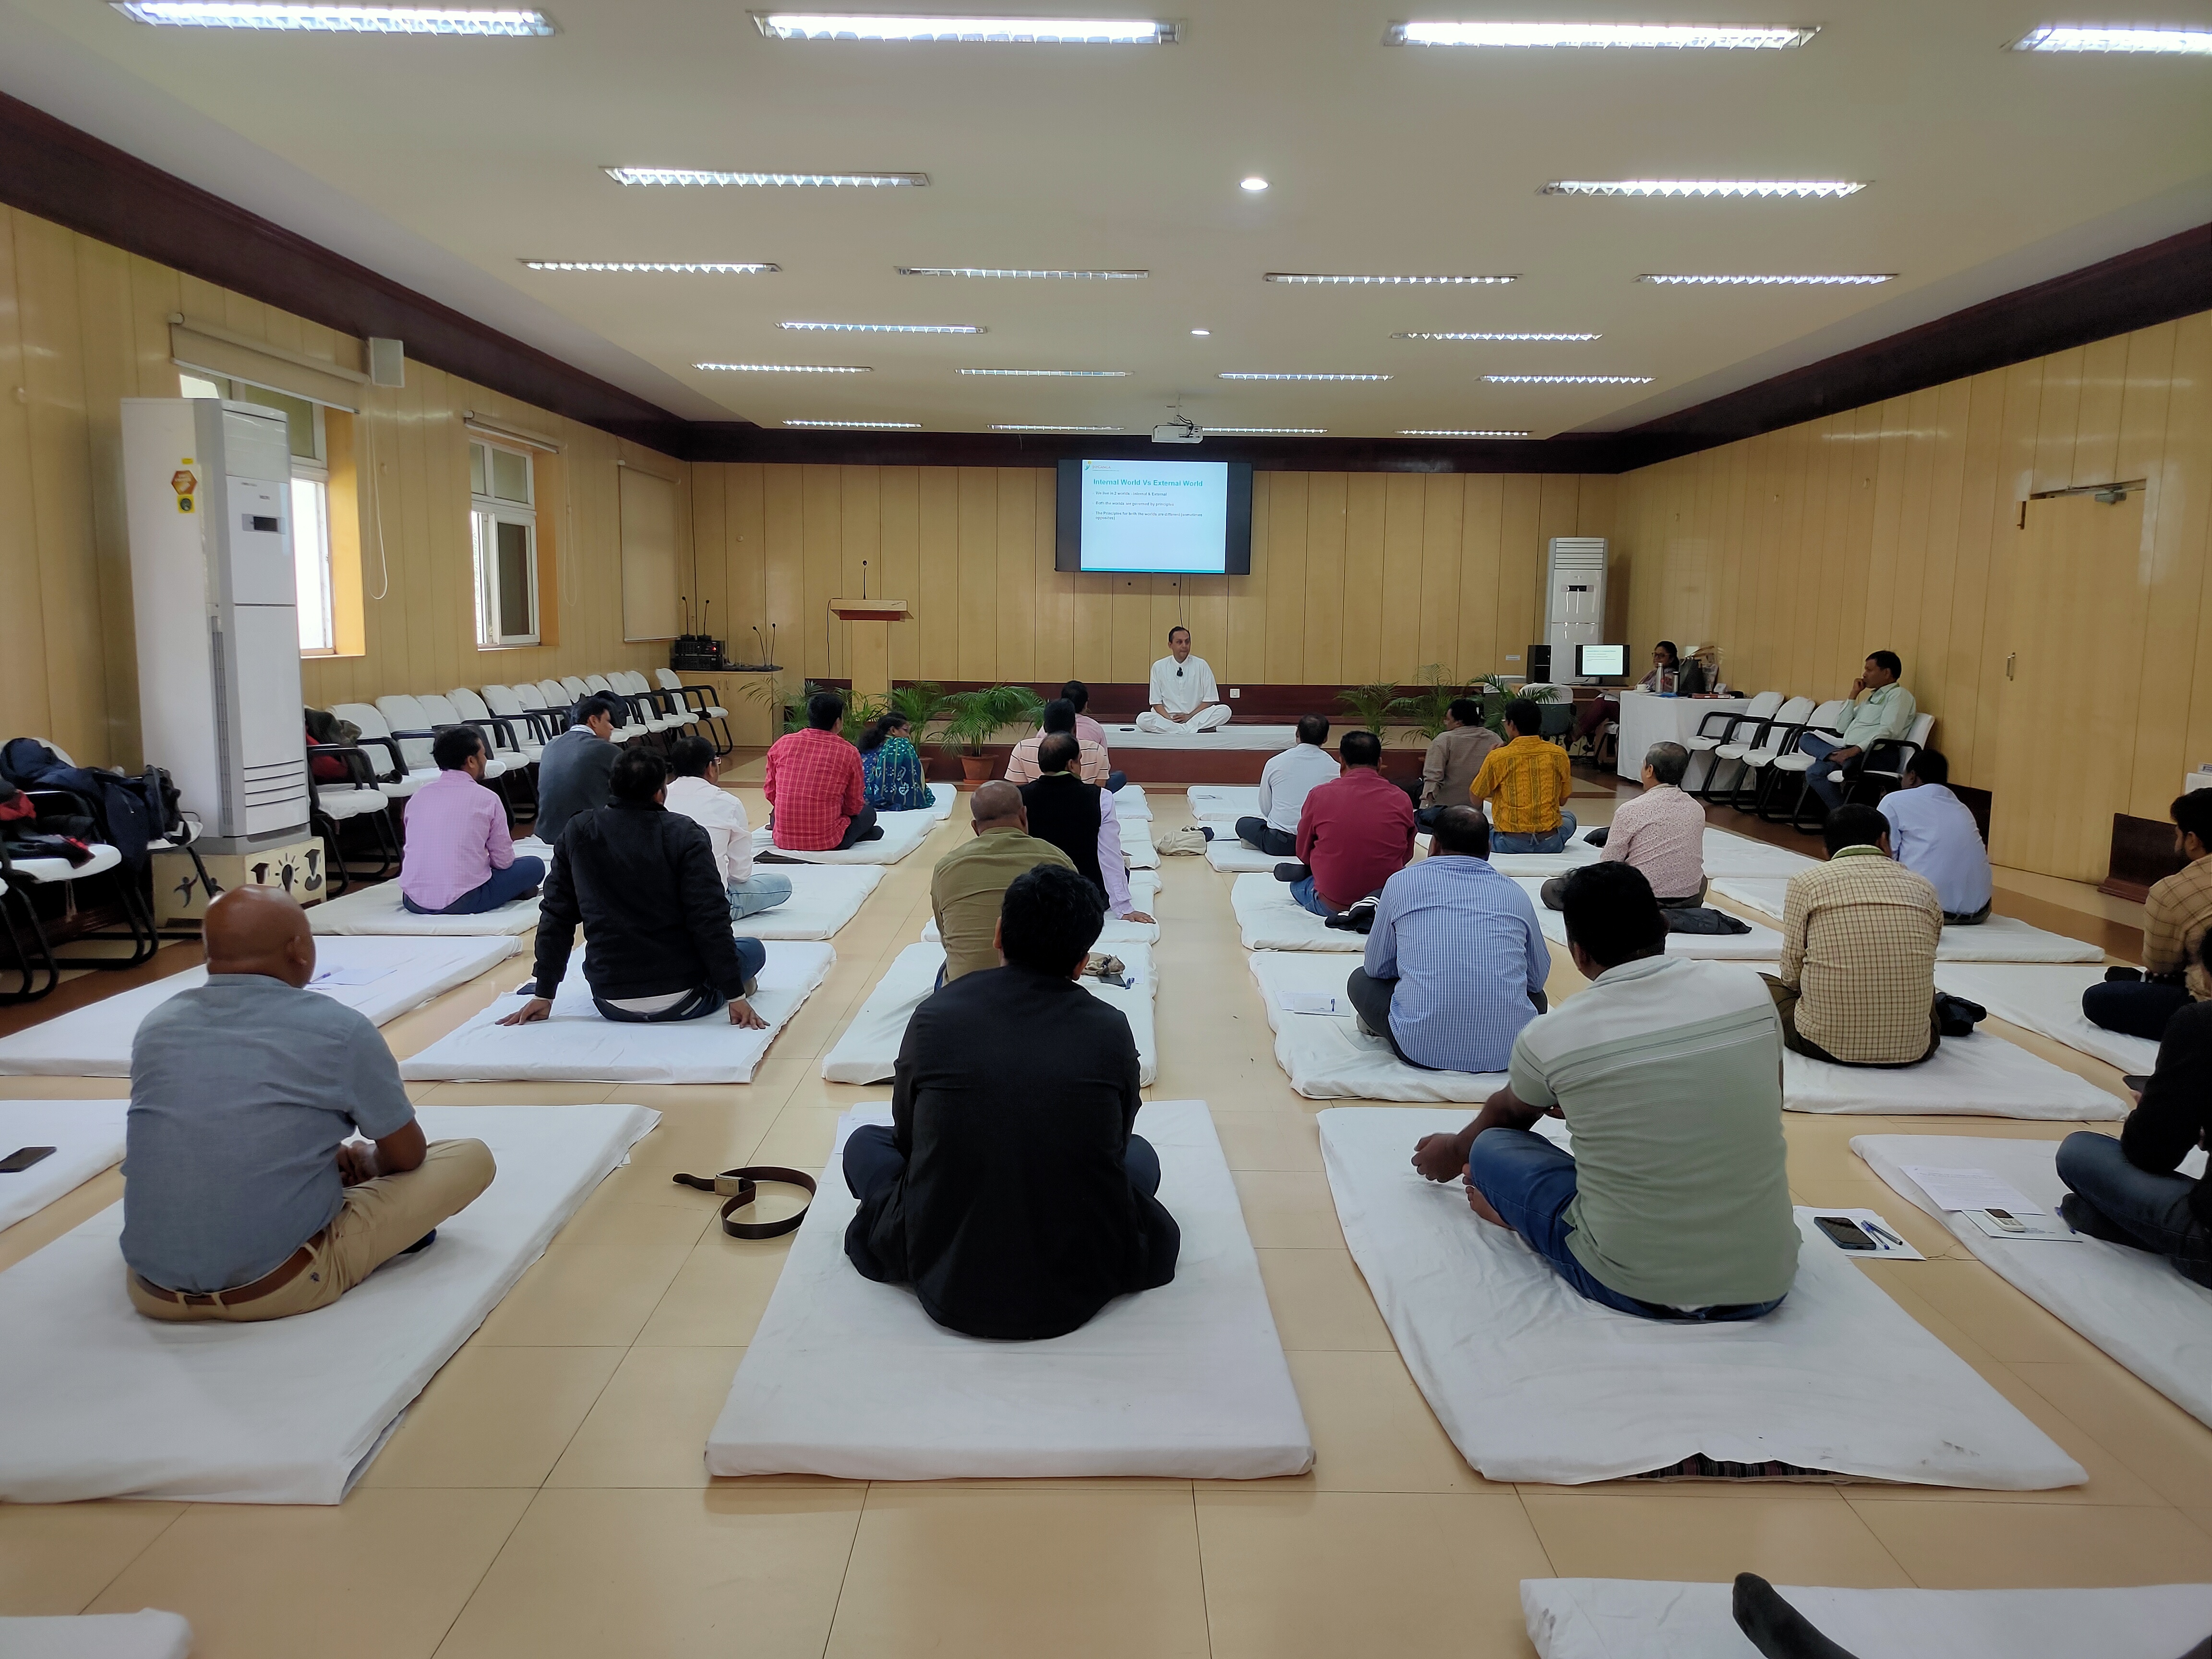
(814, 783)
(456, 837)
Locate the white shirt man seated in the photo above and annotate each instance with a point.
(246, 1198)
(1183, 695)
(695, 789)
(1284, 782)
(1933, 834)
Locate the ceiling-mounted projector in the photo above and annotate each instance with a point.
(1181, 430)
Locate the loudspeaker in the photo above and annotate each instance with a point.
(1540, 663)
(387, 361)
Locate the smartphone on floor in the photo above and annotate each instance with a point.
(23, 1158)
(1847, 1233)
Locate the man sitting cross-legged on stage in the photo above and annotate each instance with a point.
(818, 793)
(246, 1198)
(460, 859)
(1661, 832)
(1184, 697)
(1354, 833)
(1456, 961)
(1675, 1203)
(1015, 1199)
(643, 882)
(1080, 819)
(694, 791)
(1526, 783)
(1284, 782)
(970, 882)
(2176, 918)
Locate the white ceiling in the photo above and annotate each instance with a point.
(443, 162)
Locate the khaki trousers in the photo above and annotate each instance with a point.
(380, 1218)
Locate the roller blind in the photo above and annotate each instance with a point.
(648, 556)
(213, 350)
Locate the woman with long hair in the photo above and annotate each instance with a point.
(1665, 659)
(891, 769)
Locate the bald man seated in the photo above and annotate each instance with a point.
(970, 882)
(247, 1198)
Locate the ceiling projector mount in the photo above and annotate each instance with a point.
(1180, 430)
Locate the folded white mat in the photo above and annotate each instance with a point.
(377, 909)
(2047, 999)
(103, 1402)
(1977, 1076)
(145, 1634)
(1227, 854)
(823, 899)
(2001, 939)
(1729, 855)
(396, 975)
(87, 1136)
(1535, 1383)
(576, 1045)
(1264, 739)
(1633, 1619)
(1130, 801)
(1761, 944)
(2130, 1303)
(1328, 1057)
(1137, 848)
(1271, 920)
(1223, 803)
(851, 1379)
(867, 1050)
(903, 832)
(1144, 894)
(941, 797)
(1577, 852)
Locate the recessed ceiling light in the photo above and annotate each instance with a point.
(1256, 184)
(2059, 37)
(1459, 335)
(1801, 187)
(1046, 30)
(1414, 432)
(787, 368)
(1707, 37)
(1002, 427)
(687, 267)
(1202, 333)
(1855, 280)
(885, 328)
(1568, 379)
(1269, 431)
(1388, 282)
(695, 176)
(1061, 276)
(336, 19)
(1051, 374)
(863, 426)
(1250, 375)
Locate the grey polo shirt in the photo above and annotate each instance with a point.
(240, 1093)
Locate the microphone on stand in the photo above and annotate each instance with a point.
(761, 643)
(864, 579)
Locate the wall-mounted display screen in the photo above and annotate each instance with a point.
(1177, 518)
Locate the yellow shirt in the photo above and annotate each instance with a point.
(1528, 783)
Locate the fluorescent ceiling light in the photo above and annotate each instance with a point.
(997, 427)
(1687, 37)
(1455, 335)
(1388, 282)
(863, 426)
(1051, 374)
(1253, 376)
(1856, 280)
(1268, 431)
(983, 270)
(694, 176)
(1045, 31)
(688, 267)
(787, 368)
(337, 20)
(885, 328)
(1568, 379)
(1201, 333)
(1411, 432)
(2062, 37)
(1256, 184)
(1829, 187)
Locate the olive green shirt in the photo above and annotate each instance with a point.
(967, 886)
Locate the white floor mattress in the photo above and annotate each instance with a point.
(1636, 1619)
(87, 1136)
(1137, 848)
(851, 1379)
(1979, 1076)
(1327, 1057)
(145, 1634)
(1270, 920)
(1130, 801)
(903, 832)
(1760, 945)
(867, 1050)
(1734, 856)
(577, 1046)
(1232, 857)
(2131, 1304)
(941, 797)
(377, 909)
(1535, 1383)
(105, 1403)
(1265, 738)
(2001, 939)
(2047, 999)
(823, 899)
(1144, 894)
(1223, 803)
(94, 1041)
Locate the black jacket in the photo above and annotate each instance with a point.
(642, 881)
(2176, 1113)
(1064, 810)
(1015, 1218)
(573, 774)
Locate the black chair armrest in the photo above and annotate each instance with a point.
(1898, 753)
(360, 770)
(1731, 716)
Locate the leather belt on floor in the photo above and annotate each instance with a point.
(738, 1186)
(253, 1290)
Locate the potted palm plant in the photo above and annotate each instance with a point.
(1373, 704)
(1430, 706)
(974, 718)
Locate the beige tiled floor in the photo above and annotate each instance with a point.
(544, 1497)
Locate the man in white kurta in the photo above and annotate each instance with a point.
(1184, 697)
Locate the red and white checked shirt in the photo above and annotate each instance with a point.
(814, 783)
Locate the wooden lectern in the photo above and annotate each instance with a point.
(868, 638)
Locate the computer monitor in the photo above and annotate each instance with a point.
(1601, 662)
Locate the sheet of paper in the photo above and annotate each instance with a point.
(1314, 1002)
(2031, 1227)
(349, 976)
(1971, 1189)
(1892, 1244)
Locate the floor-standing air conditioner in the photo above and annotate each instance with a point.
(1574, 599)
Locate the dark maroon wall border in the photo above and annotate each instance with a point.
(56, 171)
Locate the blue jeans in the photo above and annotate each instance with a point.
(874, 1162)
(1302, 891)
(763, 891)
(1817, 779)
(752, 957)
(2112, 1200)
(525, 875)
(1530, 1182)
(1550, 841)
(1114, 781)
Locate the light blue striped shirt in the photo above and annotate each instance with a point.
(1463, 943)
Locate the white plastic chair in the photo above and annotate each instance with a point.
(1755, 751)
(444, 712)
(1722, 726)
(500, 713)
(1793, 763)
(398, 778)
(699, 702)
(19, 877)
